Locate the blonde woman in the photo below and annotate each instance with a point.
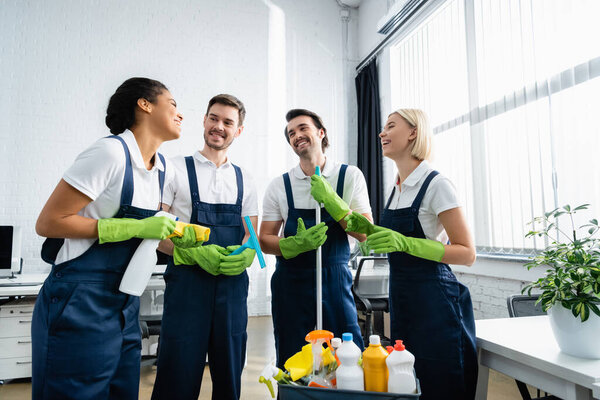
(423, 229)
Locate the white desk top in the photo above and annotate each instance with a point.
(529, 340)
(22, 285)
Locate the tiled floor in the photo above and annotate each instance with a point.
(260, 351)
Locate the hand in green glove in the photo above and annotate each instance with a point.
(236, 264)
(120, 229)
(188, 239)
(358, 223)
(387, 241)
(208, 257)
(304, 240)
(323, 193)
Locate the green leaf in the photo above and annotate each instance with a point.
(581, 207)
(595, 309)
(567, 207)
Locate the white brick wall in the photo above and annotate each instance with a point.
(491, 282)
(489, 294)
(61, 60)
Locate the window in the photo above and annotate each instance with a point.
(512, 89)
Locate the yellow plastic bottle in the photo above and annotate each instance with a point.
(375, 368)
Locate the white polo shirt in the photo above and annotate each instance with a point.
(215, 185)
(440, 196)
(275, 205)
(98, 173)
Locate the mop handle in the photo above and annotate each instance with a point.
(319, 266)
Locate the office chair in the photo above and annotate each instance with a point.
(524, 306)
(150, 326)
(368, 301)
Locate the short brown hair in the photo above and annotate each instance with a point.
(229, 100)
(298, 112)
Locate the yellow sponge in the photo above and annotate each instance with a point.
(202, 232)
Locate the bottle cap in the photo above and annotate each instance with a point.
(347, 337)
(374, 339)
(336, 342)
(389, 348)
(399, 346)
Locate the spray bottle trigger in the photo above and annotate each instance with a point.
(269, 384)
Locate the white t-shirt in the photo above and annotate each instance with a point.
(439, 197)
(275, 205)
(215, 186)
(98, 173)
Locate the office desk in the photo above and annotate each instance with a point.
(525, 349)
(22, 285)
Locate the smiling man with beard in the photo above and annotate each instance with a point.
(205, 298)
(290, 202)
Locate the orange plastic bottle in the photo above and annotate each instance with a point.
(376, 374)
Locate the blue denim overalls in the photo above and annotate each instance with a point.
(85, 333)
(204, 313)
(293, 285)
(432, 312)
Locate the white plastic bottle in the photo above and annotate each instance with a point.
(400, 364)
(349, 374)
(142, 264)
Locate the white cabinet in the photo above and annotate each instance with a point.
(15, 338)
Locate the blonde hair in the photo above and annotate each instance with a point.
(416, 118)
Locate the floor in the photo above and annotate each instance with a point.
(260, 352)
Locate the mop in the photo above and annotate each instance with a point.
(319, 266)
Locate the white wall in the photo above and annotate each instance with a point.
(61, 61)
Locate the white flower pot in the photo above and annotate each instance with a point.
(576, 338)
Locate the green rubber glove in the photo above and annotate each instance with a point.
(208, 257)
(365, 250)
(236, 264)
(304, 240)
(358, 223)
(188, 240)
(388, 241)
(323, 193)
(120, 229)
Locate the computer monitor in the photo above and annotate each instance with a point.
(10, 250)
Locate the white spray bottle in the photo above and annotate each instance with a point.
(142, 264)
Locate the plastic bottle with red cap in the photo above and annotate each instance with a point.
(400, 364)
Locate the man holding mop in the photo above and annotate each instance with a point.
(290, 202)
(205, 298)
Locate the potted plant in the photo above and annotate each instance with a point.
(570, 289)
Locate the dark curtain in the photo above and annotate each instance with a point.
(369, 126)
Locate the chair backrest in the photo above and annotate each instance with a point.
(524, 306)
(372, 280)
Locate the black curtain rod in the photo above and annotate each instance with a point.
(403, 16)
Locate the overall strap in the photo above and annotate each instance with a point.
(127, 190)
(417, 203)
(387, 205)
(192, 179)
(288, 191)
(240, 184)
(161, 176)
(340, 181)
